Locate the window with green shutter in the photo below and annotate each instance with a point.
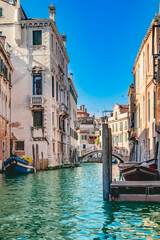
(154, 103)
(0, 12)
(1, 65)
(10, 80)
(57, 91)
(37, 37)
(52, 86)
(37, 119)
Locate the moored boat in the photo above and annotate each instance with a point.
(139, 173)
(152, 163)
(78, 164)
(16, 165)
(114, 161)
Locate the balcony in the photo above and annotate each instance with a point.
(36, 101)
(76, 125)
(64, 110)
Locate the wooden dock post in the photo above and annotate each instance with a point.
(107, 160)
(37, 157)
(34, 160)
(42, 160)
(158, 151)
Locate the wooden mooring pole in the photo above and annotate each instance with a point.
(107, 160)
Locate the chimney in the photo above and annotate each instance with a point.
(71, 76)
(86, 110)
(64, 39)
(83, 108)
(52, 12)
(17, 30)
(18, 11)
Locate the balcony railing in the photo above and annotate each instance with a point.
(63, 109)
(76, 125)
(36, 100)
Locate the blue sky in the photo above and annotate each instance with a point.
(103, 39)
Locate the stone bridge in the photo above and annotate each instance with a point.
(90, 151)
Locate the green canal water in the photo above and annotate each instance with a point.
(67, 204)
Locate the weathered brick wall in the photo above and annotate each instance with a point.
(4, 139)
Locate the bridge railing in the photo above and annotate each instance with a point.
(87, 150)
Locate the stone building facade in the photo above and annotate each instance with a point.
(6, 70)
(40, 86)
(74, 124)
(87, 130)
(146, 71)
(119, 124)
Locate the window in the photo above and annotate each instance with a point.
(0, 12)
(148, 57)
(37, 119)
(0, 34)
(121, 137)
(84, 137)
(148, 108)
(126, 124)
(116, 127)
(10, 80)
(148, 148)
(1, 65)
(99, 132)
(143, 110)
(37, 37)
(52, 86)
(154, 102)
(138, 75)
(84, 146)
(154, 144)
(116, 115)
(37, 85)
(112, 127)
(143, 65)
(57, 91)
(120, 126)
(19, 145)
(52, 118)
(126, 137)
(52, 40)
(54, 147)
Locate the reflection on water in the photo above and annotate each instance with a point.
(67, 204)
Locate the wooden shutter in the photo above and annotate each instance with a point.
(37, 37)
(57, 91)
(52, 86)
(37, 119)
(0, 12)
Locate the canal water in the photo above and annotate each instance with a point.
(67, 204)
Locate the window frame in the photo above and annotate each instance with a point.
(34, 125)
(15, 141)
(33, 40)
(1, 12)
(34, 84)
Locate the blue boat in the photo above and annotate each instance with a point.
(16, 165)
(114, 161)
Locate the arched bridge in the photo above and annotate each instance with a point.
(90, 151)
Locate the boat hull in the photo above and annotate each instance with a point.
(139, 173)
(15, 165)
